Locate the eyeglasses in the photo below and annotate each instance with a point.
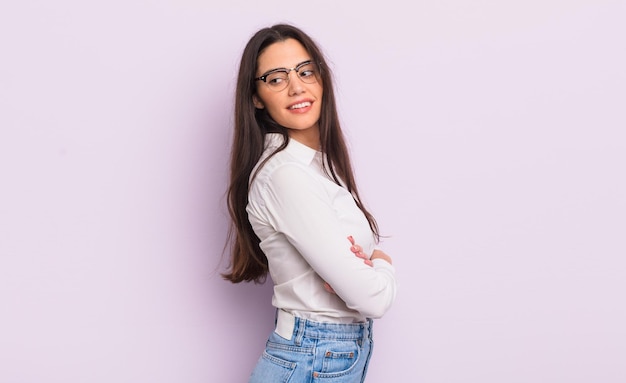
(278, 79)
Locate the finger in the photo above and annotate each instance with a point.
(366, 260)
(351, 239)
(356, 249)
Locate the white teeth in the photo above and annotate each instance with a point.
(300, 105)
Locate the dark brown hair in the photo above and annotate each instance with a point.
(247, 262)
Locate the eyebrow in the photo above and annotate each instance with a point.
(284, 68)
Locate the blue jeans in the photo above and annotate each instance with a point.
(316, 352)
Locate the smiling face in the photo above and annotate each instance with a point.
(298, 106)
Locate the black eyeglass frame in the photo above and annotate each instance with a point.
(285, 70)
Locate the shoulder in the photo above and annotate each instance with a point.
(281, 170)
(282, 185)
(292, 161)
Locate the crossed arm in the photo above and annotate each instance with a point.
(358, 251)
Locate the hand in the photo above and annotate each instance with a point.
(358, 251)
(377, 254)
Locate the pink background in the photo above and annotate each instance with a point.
(488, 137)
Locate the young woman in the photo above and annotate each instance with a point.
(297, 214)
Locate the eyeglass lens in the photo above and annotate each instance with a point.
(279, 79)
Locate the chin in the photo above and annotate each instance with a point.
(299, 126)
(300, 129)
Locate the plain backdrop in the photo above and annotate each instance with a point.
(488, 138)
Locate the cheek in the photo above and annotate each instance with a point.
(320, 93)
(269, 101)
(274, 111)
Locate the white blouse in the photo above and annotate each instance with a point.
(303, 220)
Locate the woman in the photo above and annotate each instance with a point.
(295, 205)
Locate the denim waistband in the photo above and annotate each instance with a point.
(288, 326)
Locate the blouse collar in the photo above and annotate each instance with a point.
(296, 149)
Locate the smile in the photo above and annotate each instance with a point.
(300, 105)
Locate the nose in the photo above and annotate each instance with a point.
(295, 84)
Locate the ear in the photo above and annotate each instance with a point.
(257, 102)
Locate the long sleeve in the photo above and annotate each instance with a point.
(316, 216)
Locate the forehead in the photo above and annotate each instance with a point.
(282, 54)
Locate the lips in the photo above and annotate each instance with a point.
(299, 105)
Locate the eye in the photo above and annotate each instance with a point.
(276, 78)
(307, 71)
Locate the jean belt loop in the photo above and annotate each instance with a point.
(301, 325)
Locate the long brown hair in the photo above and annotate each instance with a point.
(247, 262)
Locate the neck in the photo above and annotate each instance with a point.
(309, 137)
